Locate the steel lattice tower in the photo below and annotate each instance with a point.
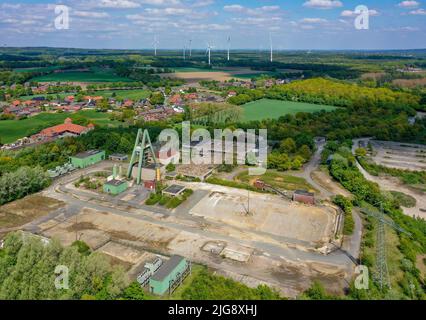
(141, 154)
(382, 272)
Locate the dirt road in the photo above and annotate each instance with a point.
(393, 184)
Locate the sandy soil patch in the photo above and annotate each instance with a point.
(325, 181)
(269, 214)
(22, 211)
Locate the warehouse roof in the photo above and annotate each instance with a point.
(174, 189)
(167, 268)
(86, 154)
(116, 183)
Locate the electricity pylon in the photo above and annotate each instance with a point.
(382, 272)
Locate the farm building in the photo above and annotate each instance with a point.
(304, 196)
(115, 187)
(67, 129)
(87, 158)
(170, 275)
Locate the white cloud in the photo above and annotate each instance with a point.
(90, 14)
(126, 4)
(350, 13)
(323, 4)
(10, 6)
(418, 12)
(234, 8)
(409, 4)
(313, 20)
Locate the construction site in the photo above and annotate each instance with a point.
(256, 237)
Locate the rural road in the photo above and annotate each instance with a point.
(392, 184)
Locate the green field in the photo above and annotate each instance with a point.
(125, 94)
(95, 75)
(273, 109)
(36, 69)
(248, 76)
(11, 130)
(119, 94)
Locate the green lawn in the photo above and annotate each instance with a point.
(95, 75)
(125, 94)
(273, 109)
(11, 130)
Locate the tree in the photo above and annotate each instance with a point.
(288, 146)
(133, 292)
(360, 152)
(156, 98)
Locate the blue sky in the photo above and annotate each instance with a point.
(293, 24)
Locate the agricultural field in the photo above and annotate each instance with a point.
(119, 94)
(94, 75)
(37, 69)
(273, 109)
(193, 75)
(11, 130)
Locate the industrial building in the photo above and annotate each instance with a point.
(115, 187)
(174, 190)
(170, 275)
(304, 196)
(87, 158)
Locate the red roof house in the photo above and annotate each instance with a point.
(68, 128)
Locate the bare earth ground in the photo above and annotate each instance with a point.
(323, 178)
(209, 76)
(400, 155)
(20, 212)
(393, 184)
(268, 213)
(128, 239)
(254, 250)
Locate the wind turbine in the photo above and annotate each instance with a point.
(272, 48)
(209, 51)
(229, 46)
(155, 43)
(190, 47)
(184, 52)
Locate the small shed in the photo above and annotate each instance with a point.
(115, 187)
(304, 196)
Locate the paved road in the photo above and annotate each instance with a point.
(390, 184)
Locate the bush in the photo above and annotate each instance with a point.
(153, 199)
